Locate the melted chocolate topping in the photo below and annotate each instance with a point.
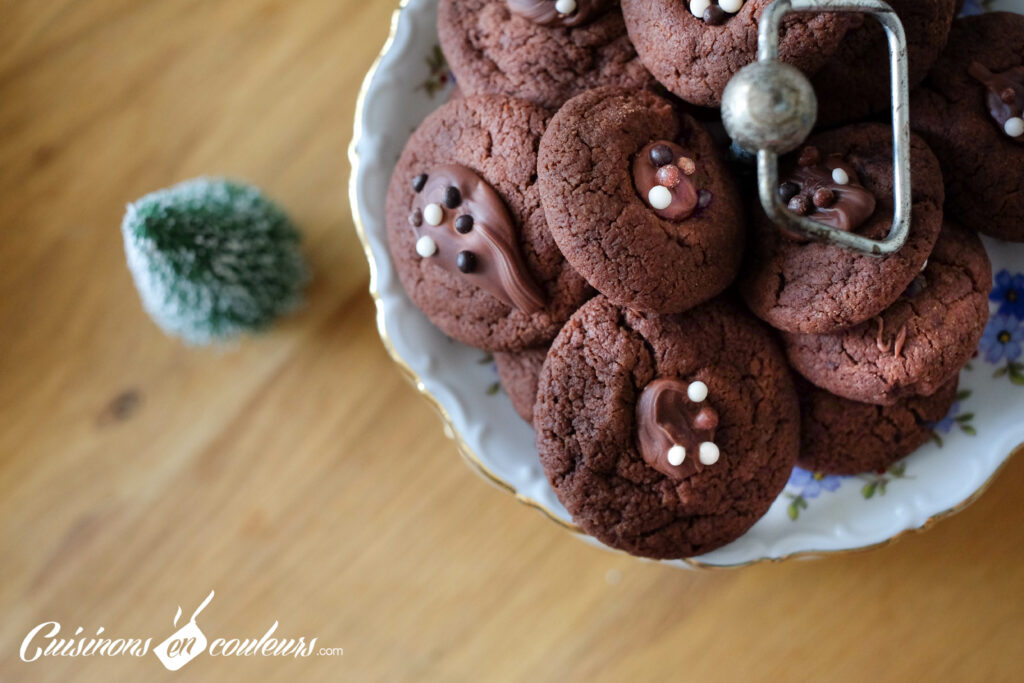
(714, 12)
(666, 164)
(475, 238)
(1005, 96)
(545, 13)
(813, 190)
(896, 343)
(666, 417)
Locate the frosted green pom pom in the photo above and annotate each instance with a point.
(213, 258)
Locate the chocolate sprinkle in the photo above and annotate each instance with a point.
(452, 197)
(824, 197)
(715, 16)
(799, 205)
(466, 261)
(419, 182)
(788, 190)
(669, 176)
(416, 218)
(463, 224)
(661, 155)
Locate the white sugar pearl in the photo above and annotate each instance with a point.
(676, 455)
(565, 6)
(433, 214)
(697, 391)
(697, 7)
(840, 176)
(730, 6)
(1014, 127)
(708, 453)
(660, 197)
(426, 246)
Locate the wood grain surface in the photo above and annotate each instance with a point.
(298, 474)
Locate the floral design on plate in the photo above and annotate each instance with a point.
(954, 418)
(878, 481)
(1008, 293)
(494, 388)
(1003, 339)
(1001, 343)
(439, 76)
(809, 486)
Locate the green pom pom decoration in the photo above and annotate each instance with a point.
(212, 259)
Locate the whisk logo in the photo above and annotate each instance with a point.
(181, 647)
(185, 644)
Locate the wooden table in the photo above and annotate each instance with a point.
(299, 475)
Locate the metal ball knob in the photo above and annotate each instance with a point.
(769, 105)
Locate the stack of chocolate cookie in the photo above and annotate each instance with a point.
(677, 353)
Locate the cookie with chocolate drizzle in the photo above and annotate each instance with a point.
(466, 231)
(640, 201)
(915, 345)
(970, 111)
(843, 177)
(1005, 97)
(666, 436)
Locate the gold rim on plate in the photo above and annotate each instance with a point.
(452, 433)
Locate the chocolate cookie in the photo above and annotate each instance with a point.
(840, 436)
(466, 230)
(811, 287)
(917, 344)
(971, 112)
(639, 200)
(693, 47)
(528, 49)
(854, 82)
(666, 436)
(519, 372)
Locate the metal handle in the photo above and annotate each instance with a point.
(769, 107)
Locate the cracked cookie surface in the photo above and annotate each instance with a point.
(982, 166)
(492, 50)
(840, 436)
(497, 138)
(519, 372)
(611, 234)
(695, 60)
(586, 423)
(915, 345)
(854, 82)
(818, 288)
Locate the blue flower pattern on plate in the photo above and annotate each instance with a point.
(811, 484)
(1002, 338)
(972, 7)
(954, 417)
(1008, 293)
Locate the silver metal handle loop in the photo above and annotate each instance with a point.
(770, 108)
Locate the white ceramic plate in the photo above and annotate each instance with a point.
(814, 515)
